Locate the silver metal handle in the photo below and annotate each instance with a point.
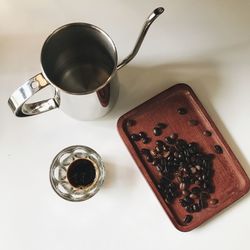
(143, 33)
(18, 99)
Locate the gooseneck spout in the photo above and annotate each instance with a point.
(143, 33)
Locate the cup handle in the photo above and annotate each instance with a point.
(18, 99)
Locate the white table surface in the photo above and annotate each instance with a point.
(203, 43)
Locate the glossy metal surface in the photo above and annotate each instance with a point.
(80, 61)
(17, 101)
(143, 33)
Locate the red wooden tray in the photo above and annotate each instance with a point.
(230, 180)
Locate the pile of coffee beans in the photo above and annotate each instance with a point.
(186, 171)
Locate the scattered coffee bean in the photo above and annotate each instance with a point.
(130, 123)
(157, 131)
(174, 136)
(188, 218)
(145, 140)
(142, 135)
(193, 122)
(161, 125)
(182, 111)
(213, 201)
(135, 137)
(218, 149)
(207, 133)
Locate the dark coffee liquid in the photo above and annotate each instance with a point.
(81, 173)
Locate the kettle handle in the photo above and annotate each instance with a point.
(149, 21)
(18, 99)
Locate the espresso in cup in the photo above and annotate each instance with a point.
(81, 173)
(77, 173)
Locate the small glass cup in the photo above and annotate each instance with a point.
(59, 173)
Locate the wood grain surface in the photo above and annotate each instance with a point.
(230, 180)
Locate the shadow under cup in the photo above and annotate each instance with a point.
(79, 58)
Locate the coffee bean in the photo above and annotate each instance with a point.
(178, 178)
(189, 209)
(188, 218)
(158, 149)
(188, 200)
(160, 143)
(130, 123)
(185, 192)
(153, 152)
(161, 125)
(193, 196)
(169, 198)
(182, 143)
(182, 186)
(202, 203)
(193, 122)
(135, 137)
(218, 149)
(149, 158)
(207, 133)
(195, 190)
(157, 131)
(155, 162)
(182, 111)
(196, 207)
(145, 140)
(174, 136)
(142, 135)
(165, 154)
(213, 201)
(193, 148)
(198, 167)
(204, 195)
(208, 187)
(176, 154)
(145, 151)
(172, 149)
(183, 203)
(169, 140)
(193, 170)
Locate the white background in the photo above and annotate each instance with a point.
(203, 43)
